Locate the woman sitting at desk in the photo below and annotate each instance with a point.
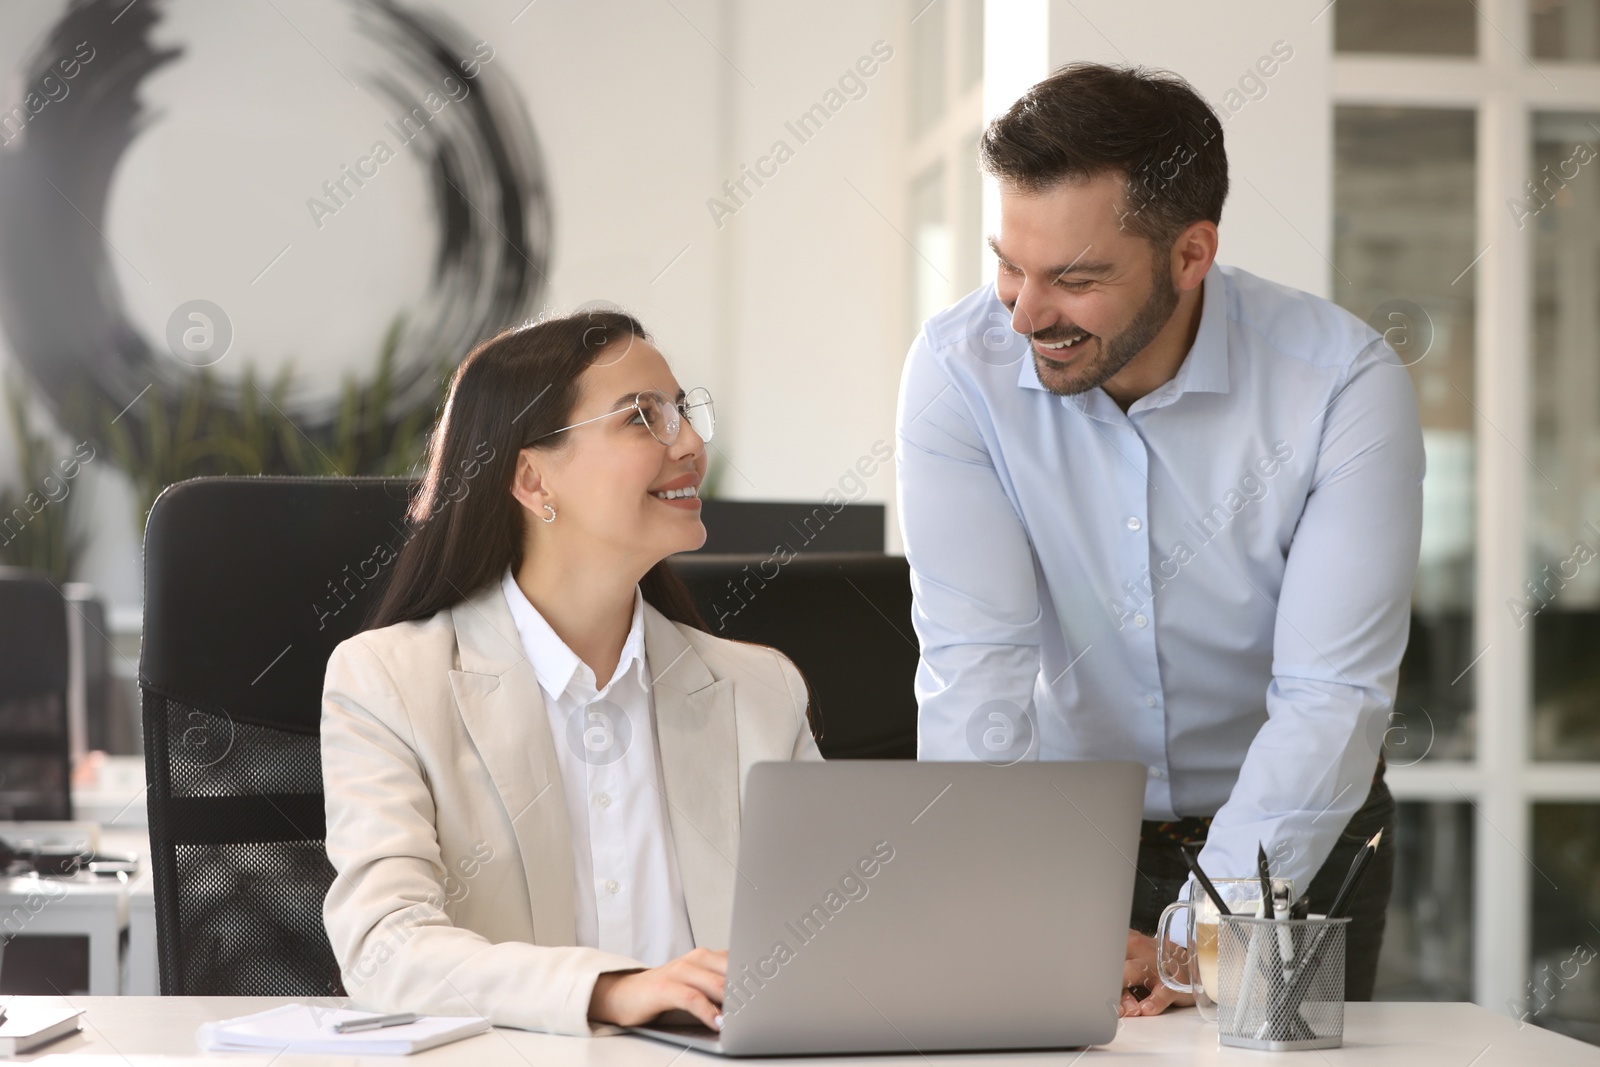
(513, 837)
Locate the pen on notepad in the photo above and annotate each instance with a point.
(375, 1022)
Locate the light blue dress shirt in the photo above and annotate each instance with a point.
(1215, 583)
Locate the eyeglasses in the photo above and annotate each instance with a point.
(662, 416)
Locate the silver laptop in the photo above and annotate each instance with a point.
(892, 906)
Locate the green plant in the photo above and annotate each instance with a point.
(36, 528)
(199, 430)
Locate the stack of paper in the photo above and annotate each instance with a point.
(308, 1029)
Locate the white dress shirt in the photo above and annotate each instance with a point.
(627, 897)
(1215, 583)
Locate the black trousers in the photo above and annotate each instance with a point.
(1162, 873)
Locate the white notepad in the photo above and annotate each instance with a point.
(307, 1029)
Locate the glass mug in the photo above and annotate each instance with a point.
(1243, 897)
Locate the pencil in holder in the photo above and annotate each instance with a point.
(1281, 982)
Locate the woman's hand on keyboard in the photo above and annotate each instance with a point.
(693, 983)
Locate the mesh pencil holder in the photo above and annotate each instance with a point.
(1281, 982)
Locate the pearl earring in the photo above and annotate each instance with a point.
(552, 512)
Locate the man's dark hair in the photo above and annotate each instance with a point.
(1088, 119)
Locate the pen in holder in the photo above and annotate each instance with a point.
(1281, 982)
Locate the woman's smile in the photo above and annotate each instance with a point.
(682, 493)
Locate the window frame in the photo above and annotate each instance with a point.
(1504, 86)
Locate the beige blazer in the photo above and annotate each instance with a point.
(447, 823)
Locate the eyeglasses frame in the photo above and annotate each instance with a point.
(680, 406)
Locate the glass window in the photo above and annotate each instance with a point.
(1560, 600)
(1405, 236)
(1427, 936)
(1564, 29)
(1410, 27)
(1563, 989)
(927, 64)
(930, 251)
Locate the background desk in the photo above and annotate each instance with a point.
(140, 1031)
(83, 906)
(100, 908)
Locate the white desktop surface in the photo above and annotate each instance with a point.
(141, 1031)
(116, 797)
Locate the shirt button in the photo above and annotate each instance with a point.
(1140, 621)
(1149, 700)
(1133, 522)
(1157, 772)
(604, 800)
(612, 886)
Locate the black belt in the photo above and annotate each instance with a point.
(1192, 829)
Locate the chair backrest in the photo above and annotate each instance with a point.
(734, 526)
(249, 585)
(35, 753)
(845, 620)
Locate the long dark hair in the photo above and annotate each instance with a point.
(465, 527)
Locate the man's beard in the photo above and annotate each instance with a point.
(1114, 354)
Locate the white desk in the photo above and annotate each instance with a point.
(140, 1031)
(100, 908)
(83, 906)
(116, 798)
(141, 974)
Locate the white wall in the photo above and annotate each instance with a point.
(1277, 129)
(792, 310)
(789, 311)
(814, 261)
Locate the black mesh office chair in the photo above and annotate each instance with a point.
(249, 585)
(35, 752)
(845, 620)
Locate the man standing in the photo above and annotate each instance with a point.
(1160, 509)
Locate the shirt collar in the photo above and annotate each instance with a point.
(1203, 370)
(553, 662)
